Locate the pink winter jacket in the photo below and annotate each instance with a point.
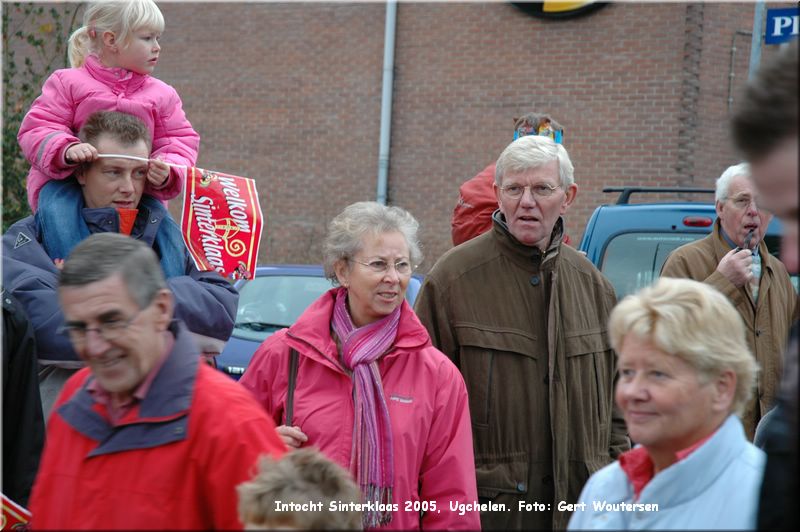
(70, 95)
(433, 460)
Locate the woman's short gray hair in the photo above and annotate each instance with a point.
(532, 151)
(724, 181)
(694, 322)
(347, 230)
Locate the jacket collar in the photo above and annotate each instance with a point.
(528, 257)
(313, 329)
(687, 479)
(703, 466)
(163, 415)
(119, 79)
(106, 219)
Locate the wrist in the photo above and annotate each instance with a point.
(162, 184)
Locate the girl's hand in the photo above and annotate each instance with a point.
(292, 436)
(157, 173)
(80, 153)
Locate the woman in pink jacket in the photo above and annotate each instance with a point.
(357, 377)
(112, 57)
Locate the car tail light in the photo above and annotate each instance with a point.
(697, 221)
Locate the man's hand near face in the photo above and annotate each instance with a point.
(737, 266)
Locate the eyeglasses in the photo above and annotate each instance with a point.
(541, 190)
(402, 267)
(743, 202)
(109, 330)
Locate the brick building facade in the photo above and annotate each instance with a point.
(290, 93)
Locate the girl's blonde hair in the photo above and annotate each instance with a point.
(120, 17)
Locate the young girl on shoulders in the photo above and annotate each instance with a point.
(112, 57)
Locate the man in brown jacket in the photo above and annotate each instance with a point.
(524, 319)
(734, 259)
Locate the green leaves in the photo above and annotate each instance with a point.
(34, 38)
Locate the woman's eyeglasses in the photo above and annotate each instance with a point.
(403, 267)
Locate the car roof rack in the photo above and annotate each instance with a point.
(625, 192)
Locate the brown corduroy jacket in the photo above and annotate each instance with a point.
(528, 332)
(767, 321)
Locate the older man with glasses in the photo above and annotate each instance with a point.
(147, 435)
(523, 316)
(734, 259)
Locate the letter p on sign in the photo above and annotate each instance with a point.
(782, 25)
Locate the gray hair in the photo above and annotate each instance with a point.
(120, 17)
(694, 322)
(724, 181)
(347, 229)
(530, 152)
(102, 255)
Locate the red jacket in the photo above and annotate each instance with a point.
(472, 215)
(173, 462)
(427, 399)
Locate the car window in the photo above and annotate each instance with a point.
(633, 260)
(272, 302)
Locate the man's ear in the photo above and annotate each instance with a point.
(570, 194)
(80, 174)
(719, 206)
(165, 304)
(496, 193)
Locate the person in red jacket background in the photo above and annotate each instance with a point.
(146, 436)
(472, 214)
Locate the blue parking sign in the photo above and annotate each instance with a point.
(782, 25)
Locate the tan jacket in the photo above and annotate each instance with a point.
(528, 332)
(767, 322)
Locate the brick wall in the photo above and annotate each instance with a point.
(290, 94)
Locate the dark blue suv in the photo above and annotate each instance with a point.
(629, 242)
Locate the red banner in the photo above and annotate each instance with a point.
(13, 516)
(222, 222)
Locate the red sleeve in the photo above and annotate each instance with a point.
(448, 467)
(231, 445)
(267, 376)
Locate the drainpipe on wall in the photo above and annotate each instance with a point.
(758, 32)
(386, 100)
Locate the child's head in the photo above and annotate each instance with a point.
(119, 19)
(301, 477)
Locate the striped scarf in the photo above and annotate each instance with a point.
(372, 457)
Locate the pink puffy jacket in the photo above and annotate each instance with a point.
(434, 465)
(70, 95)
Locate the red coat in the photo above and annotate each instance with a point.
(173, 462)
(472, 215)
(428, 408)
